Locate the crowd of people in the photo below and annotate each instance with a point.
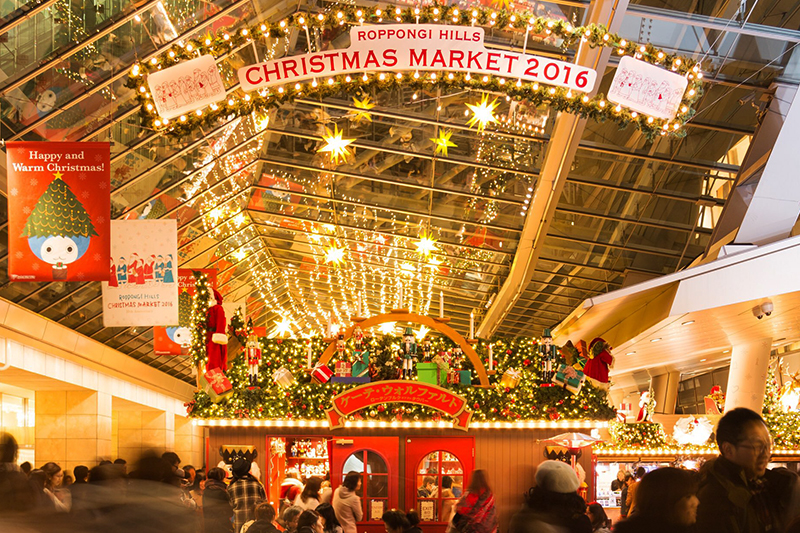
(733, 493)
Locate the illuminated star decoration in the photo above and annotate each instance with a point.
(334, 255)
(423, 330)
(284, 327)
(483, 113)
(363, 107)
(443, 142)
(502, 4)
(387, 328)
(335, 144)
(426, 245)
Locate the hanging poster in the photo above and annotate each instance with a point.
(186, 86)
(58, 211)
(175, 340)
(646, 88)
(376, 509)
(145, 290)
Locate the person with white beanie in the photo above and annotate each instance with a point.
(553, 504)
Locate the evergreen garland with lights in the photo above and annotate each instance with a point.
(641, 434)
(202, 295)
(559, 98)
(308, 400)
(783, 426)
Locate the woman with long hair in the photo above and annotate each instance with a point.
(309, 498)
(666, 501)
(54, 476)
(310, 522)
(475, 511)
(599, 518)
(332, 525)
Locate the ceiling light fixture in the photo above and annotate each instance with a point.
(631, 353)
(688, 322)
(656, 339)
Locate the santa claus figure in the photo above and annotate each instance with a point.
(599, 360)
(647, 405)
(216, 339)
(253, 360)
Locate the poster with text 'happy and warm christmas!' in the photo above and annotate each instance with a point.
(145, 290)
(58, 211)
(175, 339)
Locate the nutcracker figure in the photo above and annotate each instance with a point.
(457, 358)
(341, 348)
(408, 351)
(253, 360)
(548, 352)
(426, 350)
(360, 354)
(358, 338)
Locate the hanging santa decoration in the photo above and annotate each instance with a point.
(216, 338)
(599, 361)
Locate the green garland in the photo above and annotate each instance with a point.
(642, 434)
(308, 400)
(561, 99)
(202, 294)
(783, 426)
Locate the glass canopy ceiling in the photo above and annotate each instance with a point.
(255, 200)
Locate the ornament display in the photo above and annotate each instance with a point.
(408, 353)
(283, 377)
(789, 395)
(715, 401)
(253, 360)
(549, 354)
(569, 378)
(216, 338)
(321, 373)
(218, 384)
(575, 355)
(599, 361)
(692, 430)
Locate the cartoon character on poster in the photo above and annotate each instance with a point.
(59, 229)
(182, 334)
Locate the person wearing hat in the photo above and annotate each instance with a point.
(245, 492)
(408, 352)
(553, 504)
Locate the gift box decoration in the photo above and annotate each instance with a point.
(321, 373)
(218, 385)
(569, 378)
(360, 369)
(344, 369)
(431, 373)
(441, 363)
(283, 377)
(510, 378)
(459, 377)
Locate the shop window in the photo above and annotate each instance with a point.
(439, 482)
(374, 492)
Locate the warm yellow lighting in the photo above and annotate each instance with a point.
(335, 145)
(443, 142)
(239, 254)
(284, 327)
(423, 330)
(363, 106)
(483, 113)
(407, 268)
(387, 328)
(334, 255)
(426, 245)
(240, 219)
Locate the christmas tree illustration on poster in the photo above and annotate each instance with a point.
(59, 211)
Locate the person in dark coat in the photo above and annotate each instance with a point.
(623, 498)
(666, 502)
(553, 504)
(16, 493)
(217, 510)
(737, 493)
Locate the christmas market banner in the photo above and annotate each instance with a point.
(175, 340)
(58, 211)
(417, 47)
(145, 289)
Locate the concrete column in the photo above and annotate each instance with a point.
(665, 392)
(748, 375)
(73, 427)
(139, 431)
(189, 442)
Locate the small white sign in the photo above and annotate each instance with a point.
(186, 86)
(376, 509)
(646, 88)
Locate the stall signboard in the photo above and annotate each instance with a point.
(399, 391)
(646, 88)
(59, 211)
(426, 48)
(176, 339)
(145, 291)
(186, 86)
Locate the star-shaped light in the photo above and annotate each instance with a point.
(363, 107)
(387, 328)
(335, 145)
(239, 254)
(334, 255)
(423, 330)
(502, 4)
(284, 327)
(483, 113)
(443, 142)
(426, 245)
